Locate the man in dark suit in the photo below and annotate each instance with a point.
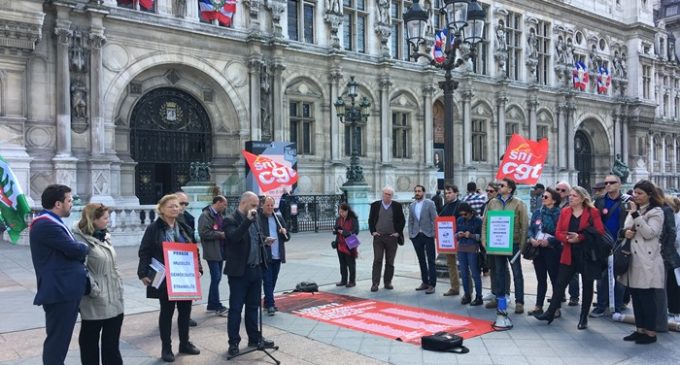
(386, 223)
(244, 264)
(58, 261)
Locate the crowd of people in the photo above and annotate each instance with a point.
(77, 272)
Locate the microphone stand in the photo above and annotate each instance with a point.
(260, 344)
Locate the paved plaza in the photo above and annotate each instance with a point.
(304, 341)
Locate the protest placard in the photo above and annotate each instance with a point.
(181, 271)
(445, 232)
(499, 231)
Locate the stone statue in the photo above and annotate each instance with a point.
(265, 92)
(569, 54)
(620, 169)
(384, 12)
(78, 53)
(179, 7)
(561, 50)
(334, 6)
(501, 43)
(199, 172)
(532, 46)
(78, 100)
(616, 65)
(429, 26)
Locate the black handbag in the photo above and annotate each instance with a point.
(529, 251)
(334, 244)
(622, 257)
(444, 342)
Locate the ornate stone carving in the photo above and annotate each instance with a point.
(199, 172)
(265, 102)
(78, 54)
(277, 8)
(333, 7)
(179, 8)
(620, 169)
(532, 53)
(501, 51)
(20, 35)
(334, 21)
(97, 39)
(63, 34)
(383, 14)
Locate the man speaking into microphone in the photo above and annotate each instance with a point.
(244, 260)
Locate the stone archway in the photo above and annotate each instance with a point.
(169, 129)
(592, 152)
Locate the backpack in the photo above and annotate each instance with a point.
(444, 342)
(306, 287)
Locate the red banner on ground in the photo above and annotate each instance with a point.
(269, 174)
(523, 160)
(395, 321)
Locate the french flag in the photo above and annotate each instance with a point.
(439, 49)
(223, 14)
(580, 76)
(604, 79)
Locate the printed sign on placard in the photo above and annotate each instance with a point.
(445, 231)
(499, 230)
(523, 160)
(181, 271)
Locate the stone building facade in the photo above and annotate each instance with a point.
(116, 100)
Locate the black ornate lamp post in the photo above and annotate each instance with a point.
(355, 116)
(465, 20)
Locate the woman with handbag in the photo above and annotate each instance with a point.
(346, 225)
(643, 226)
(573, 221)
(468, 233)
(101, 311)
(166, 228)
(544, 246)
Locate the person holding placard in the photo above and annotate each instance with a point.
(504, 231)
(451, 209)
(468, 232)
(166, 228)
(346, 225)
(422, 214)
(574, 219)
(101, 311)
(542, 227)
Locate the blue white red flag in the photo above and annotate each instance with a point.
(604, 79)
(580, 76)
(222, 10)
(439, 49)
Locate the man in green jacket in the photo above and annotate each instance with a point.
(505, 201)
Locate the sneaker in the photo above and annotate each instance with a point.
(597, 313)
(489, 296)
(633, 336)
(452, 292)
(267, 344)
(423, 286)
(271, 311)
(477, 301)
(429, 290)
(223, 312)
(645, 340)
(491, 304)
(519, 308)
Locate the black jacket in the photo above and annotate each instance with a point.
(236, 244)
(670, 256)
(451, 209)
(264, 226)
(152, 247)
(399, 219)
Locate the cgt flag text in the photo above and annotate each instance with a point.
(523, 160)
(268, 173)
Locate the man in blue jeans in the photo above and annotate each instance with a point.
(212, 239)
(505, 201)
(272, 226)
(613, 213)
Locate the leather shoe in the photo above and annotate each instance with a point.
(267, 344)
(389, 286)
(423, 286)
(633, 336)
(167, 355)
(374, 288)
(430, 290)
(545, 316)
(451, 292)
(192, 323)
(583, 321)
(645, 340)
(340, 283)
(189, 349)
(233, 350)
(351, 285)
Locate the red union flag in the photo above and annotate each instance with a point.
(523, 160)
(269, 174)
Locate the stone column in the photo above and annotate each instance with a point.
(501, 102)
(571, 132)
(278, 109)
(650, 155)
(385, 120)
(428, 138)
(97, 132)
(662, 159)
(616, 123)
(334, 78)
(192, 10)
(467, 126)
(675, 155)
(254, 65)
(532, 105)
(63, 33)
(624, 143)
(561, 138)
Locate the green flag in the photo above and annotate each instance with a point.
(13, 204)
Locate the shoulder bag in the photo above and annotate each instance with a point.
(444, 342)
(622, 257)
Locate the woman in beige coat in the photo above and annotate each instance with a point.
(102, 310)
(643, 227)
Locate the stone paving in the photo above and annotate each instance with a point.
(304, 341)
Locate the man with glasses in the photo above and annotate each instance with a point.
(505, 201)
(536, 194)
(491, 193)
(188, 219)
(212, 239)
(386, 223)
(422, 214)
(613, 213)
(563, 188)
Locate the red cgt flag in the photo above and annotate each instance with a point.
(523, 160)
(268, 173)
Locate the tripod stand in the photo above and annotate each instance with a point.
(260, 343)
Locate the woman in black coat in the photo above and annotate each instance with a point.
(166, 228)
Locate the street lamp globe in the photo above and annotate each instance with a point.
(340, 108)
(456, 13)
(476, 17)
(352, 88)
(416, 19)
(365, 108)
